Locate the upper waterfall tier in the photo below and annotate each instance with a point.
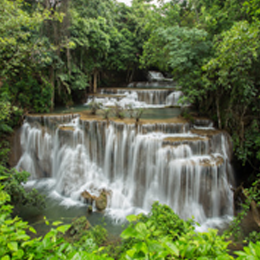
(174, 162)
(150, 85)
(138, 97)
(157, 76)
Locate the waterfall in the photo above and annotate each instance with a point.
(152, 98)
(184, 166)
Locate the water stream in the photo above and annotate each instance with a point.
(138, 98)
(184, 165)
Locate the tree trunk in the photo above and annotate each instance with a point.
(132, 75)
(95, 81)
(218, 112)
(68, 55)
(53, 87)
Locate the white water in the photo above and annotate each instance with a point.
(137, 166)
(157, 76)
(140, 98)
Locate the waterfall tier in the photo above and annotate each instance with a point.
(185, 166)
(145, 98)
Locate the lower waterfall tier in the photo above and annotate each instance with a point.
(184, 166)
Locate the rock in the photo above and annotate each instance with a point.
(101, 201)
(88, 197)
(78, 226)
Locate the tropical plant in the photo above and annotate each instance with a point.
(106, 113)
(94, 106)
(163, 234)
(137, 114)
(12, 182)
(252, 251)
(118, 111)
(15, 243)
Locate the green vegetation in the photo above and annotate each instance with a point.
(160, 235)
(53, 54)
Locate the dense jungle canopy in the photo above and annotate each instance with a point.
(55, 52)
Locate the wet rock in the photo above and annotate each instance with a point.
(87, 197)
(101, 201)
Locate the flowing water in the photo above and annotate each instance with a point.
(138, 98)
(184, 165)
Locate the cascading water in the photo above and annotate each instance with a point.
(184, 165)
(157, 98)
(178, 164)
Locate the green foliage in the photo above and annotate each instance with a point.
(94, 106)
(181, 51)
(99, 234)
(162, 234)
(106, 113)
(134, 113)
(81, 232)
(231, 77)
(252, 199)
(118, 111)
(29, 94)
(20, 48)
(12, 181)
(15, 243)
(252, 251)
(4, 152)
(5, 108)
(137, 114)
(147, 237)
(185, 113)
(254, 236)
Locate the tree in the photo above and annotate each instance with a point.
(232, 77)
(23, 54)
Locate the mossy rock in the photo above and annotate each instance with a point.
(101, 201)
(79, 225)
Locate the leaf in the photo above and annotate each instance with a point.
(32, 230)
(132, 218)
(141, 229)
(63, 228)
(19, 254)
(13, 246)
(173, 249)
(56, 223)
(128, 232)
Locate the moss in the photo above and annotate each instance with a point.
(78, 226)
(184, 139)
(206, 132)
(67, 128)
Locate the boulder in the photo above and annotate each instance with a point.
(101, 201)
(88, 197)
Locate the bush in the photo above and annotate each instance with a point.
(12, 181)
(15, 243)
(163, 235)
